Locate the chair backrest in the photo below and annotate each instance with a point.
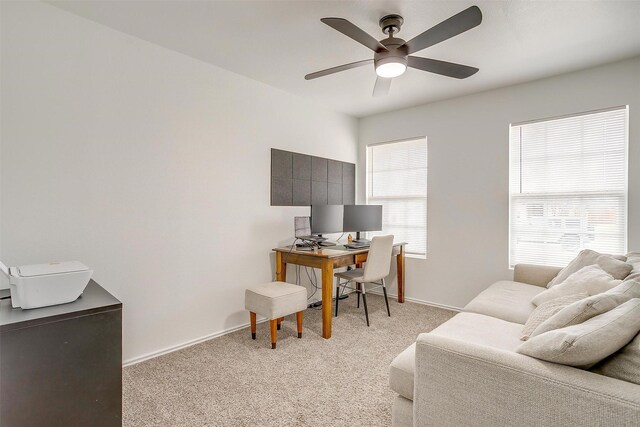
(379, 258)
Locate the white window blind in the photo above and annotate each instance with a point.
(568, 187)
(397, 180)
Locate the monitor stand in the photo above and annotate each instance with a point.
(359, 240)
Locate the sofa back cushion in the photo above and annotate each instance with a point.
(623, 365)
(615, 265)
(587, 343)
(584, 309)
(591, 279)
(546, 310)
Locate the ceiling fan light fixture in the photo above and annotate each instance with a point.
(390, 67)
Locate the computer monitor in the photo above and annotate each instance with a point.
(326, 219)
(362, 218)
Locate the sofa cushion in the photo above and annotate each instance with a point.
(588, 257)
(402, 412)
(585, 344)
(469, 327)
(506, 300)
(633, 258)
(623, 365)
(401, 372)
(546, 310)
(482, 330)
(584, 309)
(591, 279)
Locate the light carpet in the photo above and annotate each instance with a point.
(236, 381)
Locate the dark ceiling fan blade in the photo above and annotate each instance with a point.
(457, 24)
(382, 86)
(448, 69)
(351, 30)
(338, 69)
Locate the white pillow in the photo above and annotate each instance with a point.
(623, 365)
(546, 310)
(590, 342)
(584, 309)
(588, 257)
(591, 279)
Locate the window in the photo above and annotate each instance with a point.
(568, 187)
(397, 180)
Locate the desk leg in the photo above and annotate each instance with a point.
(281, 268)
(327, 296)
(400, 274)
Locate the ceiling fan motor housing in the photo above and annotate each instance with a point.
(390, 23)
(398, 52)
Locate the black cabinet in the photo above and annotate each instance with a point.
(62, 365)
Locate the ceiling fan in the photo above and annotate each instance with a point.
(392, 55)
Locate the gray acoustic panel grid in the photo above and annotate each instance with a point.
(302, 180)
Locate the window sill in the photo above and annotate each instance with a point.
(415, 256)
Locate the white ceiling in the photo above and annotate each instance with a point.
(278, 42)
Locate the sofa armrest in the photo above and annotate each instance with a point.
(538, 275)
(458, 383)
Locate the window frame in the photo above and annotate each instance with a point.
(625, 193)
(407, 254)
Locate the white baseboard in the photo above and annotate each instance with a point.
(186, 344)
(195, 341)
(419, 301)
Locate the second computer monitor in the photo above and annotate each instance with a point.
(326, 219)
(362, 218)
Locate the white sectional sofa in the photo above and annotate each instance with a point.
(466, 371)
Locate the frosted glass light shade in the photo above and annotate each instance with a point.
(391, 69)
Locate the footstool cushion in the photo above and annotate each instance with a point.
(276, 299)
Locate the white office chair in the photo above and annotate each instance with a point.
(375, 270)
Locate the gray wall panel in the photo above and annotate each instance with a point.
(301, 166)
(334, 171)
(348, 184)
(301, 180)
(301, 192)
(281, 192)
(281, 164)
(318, 193)
(318, 169)
(335, 193)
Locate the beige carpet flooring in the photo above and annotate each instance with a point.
(235, 381)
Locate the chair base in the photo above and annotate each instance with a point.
(360, 290)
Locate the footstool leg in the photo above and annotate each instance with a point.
(278, 322)
(274, 326)
(299, 319)
(252, 316)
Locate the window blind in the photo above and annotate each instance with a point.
(568, 187)
(397, 180)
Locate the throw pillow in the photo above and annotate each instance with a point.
(623, 365)
(591, 279)
(618, 269)
(585, 344)
(546, 310)
(587, 308)
(584, 258)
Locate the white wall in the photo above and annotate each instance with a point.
(468, 173)
(149, 166)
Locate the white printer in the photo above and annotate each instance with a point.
(41, 285)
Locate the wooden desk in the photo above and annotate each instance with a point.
(326, 259)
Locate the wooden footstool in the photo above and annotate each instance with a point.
(274, 301)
